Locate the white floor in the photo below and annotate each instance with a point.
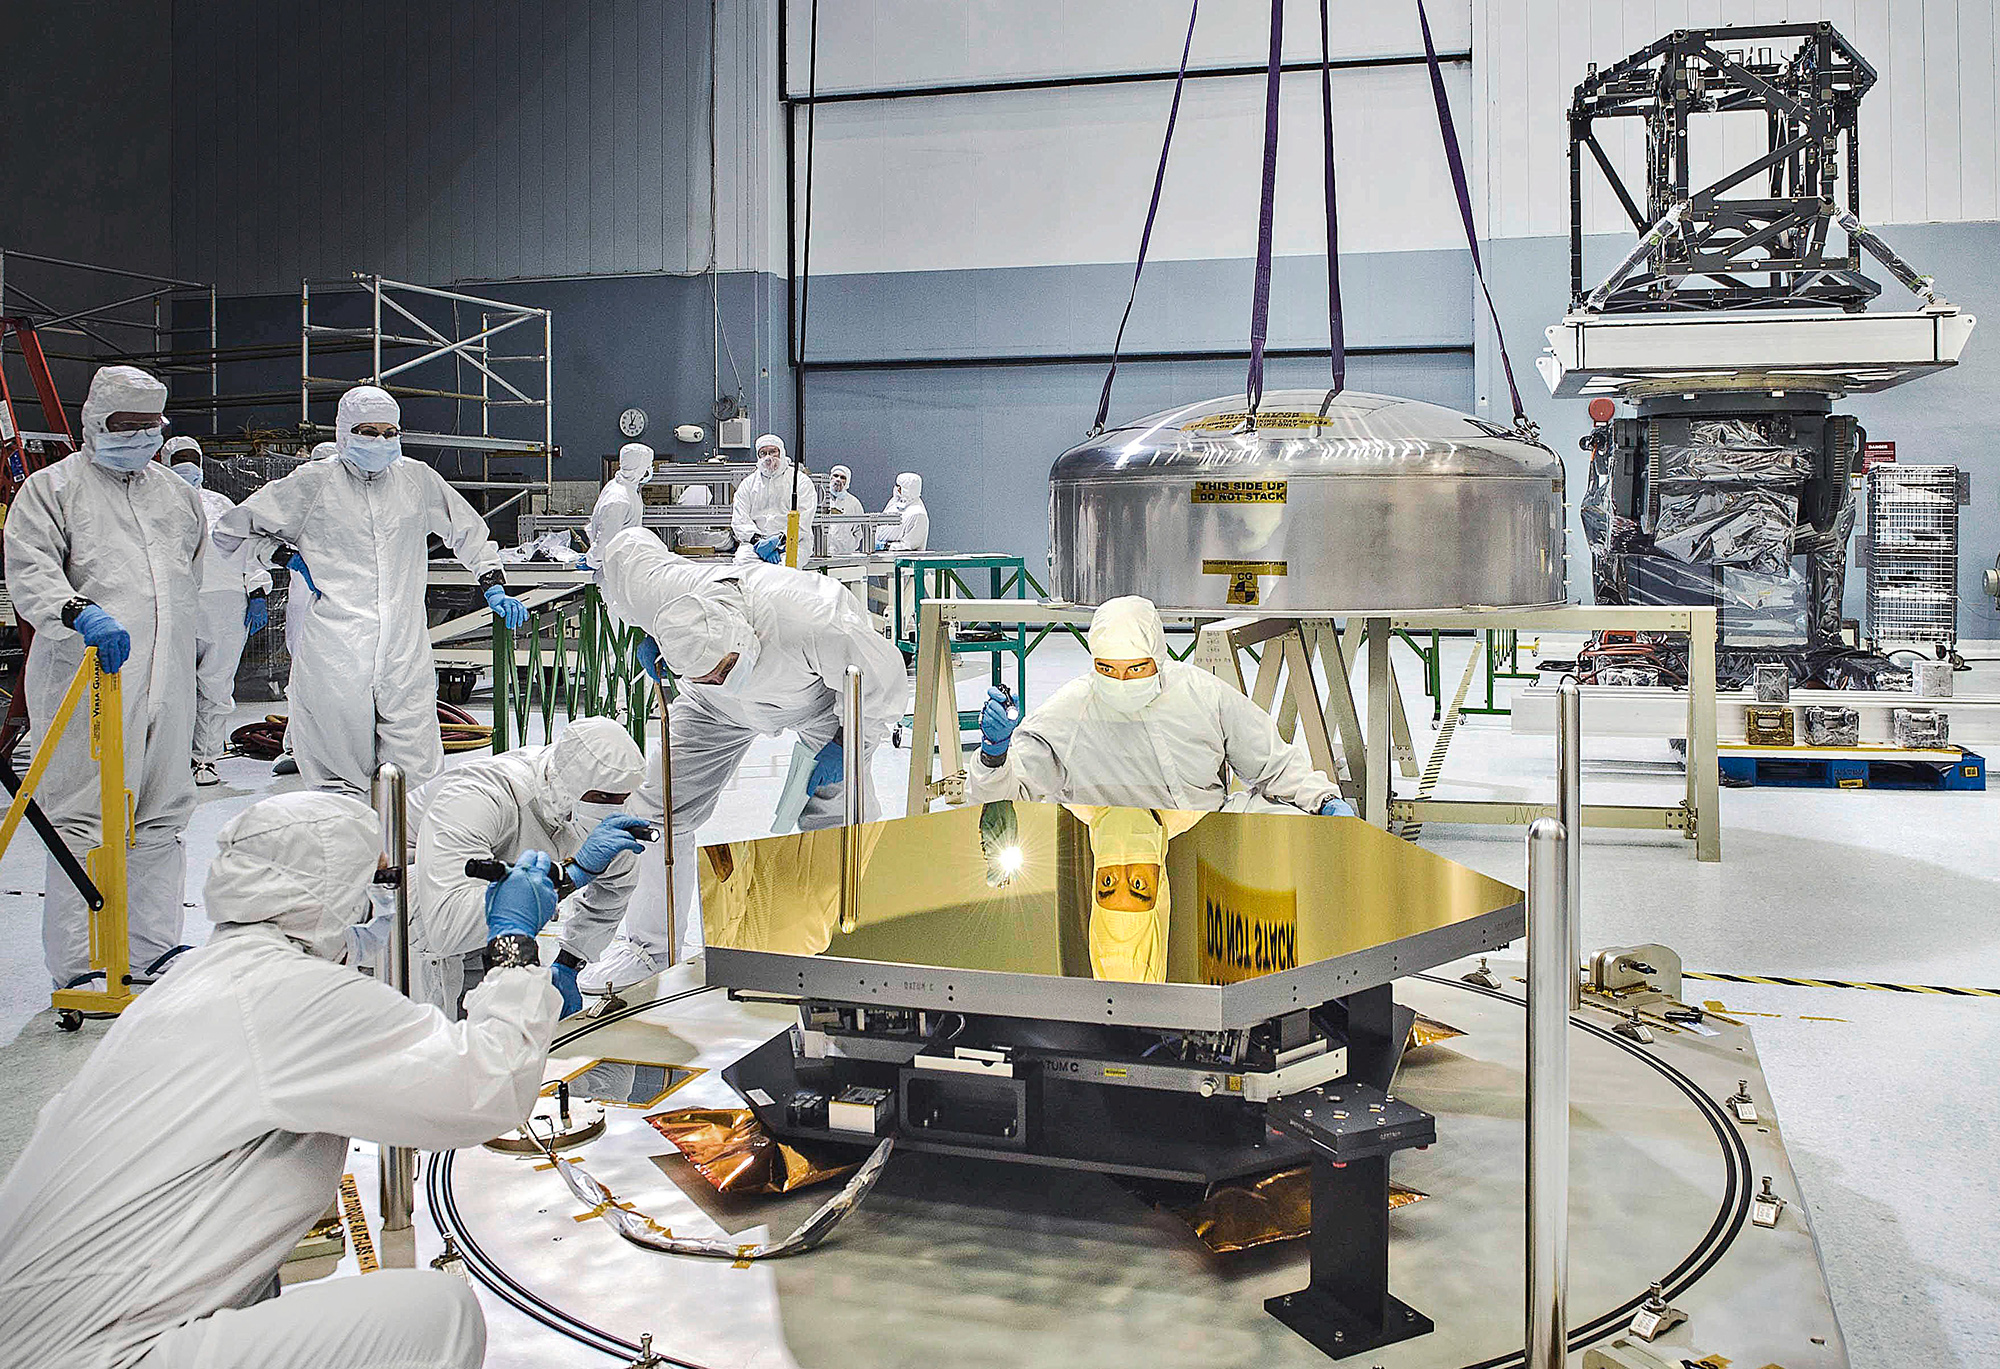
(1891, 1101)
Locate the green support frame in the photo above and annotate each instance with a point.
(573, 659)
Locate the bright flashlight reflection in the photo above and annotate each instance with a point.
(1010, 860)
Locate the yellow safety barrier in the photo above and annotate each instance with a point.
(110, 946)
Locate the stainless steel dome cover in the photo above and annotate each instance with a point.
(1384, 503)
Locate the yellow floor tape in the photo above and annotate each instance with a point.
(1788, 982)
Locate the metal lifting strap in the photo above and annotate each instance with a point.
(1336, 331)
(1152, 212)
(1260, 299)
(1456, 161)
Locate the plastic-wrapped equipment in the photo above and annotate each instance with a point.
(1923, 729)
(1832, 726)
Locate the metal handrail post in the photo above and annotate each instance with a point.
(1569, 812)
(667, 817)
(1550, 975)
(853, 810)
(398, 1163)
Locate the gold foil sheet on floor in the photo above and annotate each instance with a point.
(731, 1149)
(1245, 1213)
(1427, 1031)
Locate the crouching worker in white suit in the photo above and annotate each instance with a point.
(1144, 731)
(757, 650)
(565, 798)
(146, 1221)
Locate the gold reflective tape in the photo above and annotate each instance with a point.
(357, 1225)
(1243, 567)
(1284, 420)
(1800, 982)
(1237, 492)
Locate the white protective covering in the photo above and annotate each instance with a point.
(228, 579)
(618, 505)
(1177, 752)
(363, 688)
(764, 500)
(807, 630)
(914, 532)
(500, 807)
(209, 1129)
(843, 541)
(132, 544)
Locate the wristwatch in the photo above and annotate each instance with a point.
(72, 608)
(513, 951)
(492, 578)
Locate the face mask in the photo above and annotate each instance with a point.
(769, 463)
(371, 454)
(1127, 696)
(126, 452)
(189, 472)
(590, 814)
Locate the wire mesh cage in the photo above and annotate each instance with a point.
(267, 663)
(1913, 553)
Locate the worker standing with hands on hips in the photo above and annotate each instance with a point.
(757, 651)
(566, 798)
(233, 605)
(843, 540)
(760, 513)
(1144, 731)
(364, 689)
(104, 549)
(147, 1219)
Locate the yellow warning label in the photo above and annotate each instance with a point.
(1243, 567)
(1282, 419)
(1245, 932)
(1244, 590)
(1116, 1072)
(1237, 492)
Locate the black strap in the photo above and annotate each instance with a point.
(1152, 212)
(1336, 331)
(1458, 183)
(1260, 299)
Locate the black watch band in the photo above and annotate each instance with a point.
(72, 608)
(492, 578)
(570, 958)
(511, 951)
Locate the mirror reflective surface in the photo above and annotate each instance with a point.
(1136, 895)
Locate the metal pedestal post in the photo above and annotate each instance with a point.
(398, 1163)
(1551, 977)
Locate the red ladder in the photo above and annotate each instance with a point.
(19, 447)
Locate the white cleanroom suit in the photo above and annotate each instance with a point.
(914, 532)
(363, 688)
(764, 500)
(499, 807)
(147, 1218)
(228, 581)
(131, 543)
(1129, 743)
(843, 541)
(795, 634)
(619, 506)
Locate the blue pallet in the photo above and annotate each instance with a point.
(1807, 772)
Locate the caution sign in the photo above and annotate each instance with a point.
(1281, 420)
(1244, 586)
(1245, 932)
(1237, 492)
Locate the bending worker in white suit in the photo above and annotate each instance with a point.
(760, 513)
(364, 689)
(1144, 731)
(233, 604)
(566, 798)
(104, 549)
(757, 650)
(147, 1219)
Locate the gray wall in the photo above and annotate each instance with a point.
(1942, 419)
(83, 143)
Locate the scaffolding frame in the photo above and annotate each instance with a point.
(414, 342)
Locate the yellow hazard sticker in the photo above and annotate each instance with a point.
(1116, 1072)
(1245, 932)
(1243, 567)
(1286, 420)
(1237, 492)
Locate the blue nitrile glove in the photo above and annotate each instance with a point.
(564, 978)
(1337, 807)
(256, 614)
(826, 766)
(101, 630)
(882, 543)
(506, 607)
(771, 548)
(649, 659)
(610, 839)
(297, 565)
(996, 725)
(522, 903)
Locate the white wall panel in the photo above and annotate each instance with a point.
(871, 44)
(1062, 177)
(1929, 129)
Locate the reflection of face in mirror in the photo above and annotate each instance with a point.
(1129, 911)
(1128, 888)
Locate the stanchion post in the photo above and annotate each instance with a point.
(1569, 812)
(398, 1163)
(1551, 973)
(667, 817)
(852, 808)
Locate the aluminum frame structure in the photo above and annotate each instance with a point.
(412, 342)
(1810, 101)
